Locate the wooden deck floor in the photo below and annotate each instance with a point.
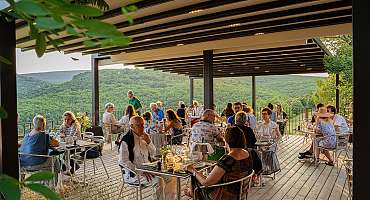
(297, 179)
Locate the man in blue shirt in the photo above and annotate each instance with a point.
(157, 114)
(237, 107)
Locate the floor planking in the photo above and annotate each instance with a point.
(296, 180)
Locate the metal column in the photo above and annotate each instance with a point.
(208, 78)
(95, 89)
(8, 98)
(337, 92)
(254, 93)
(191, 90)
(361, 99)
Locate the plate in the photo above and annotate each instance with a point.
(152, 164)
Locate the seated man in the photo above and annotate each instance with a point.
(38, 142)
(237, 107)
(205, 130)
(136, 148)
(109, 118)
(157, 114)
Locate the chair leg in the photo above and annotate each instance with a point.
(94, 165)
(84, 170)
(137, 193)
(120, 192)
(105, 169)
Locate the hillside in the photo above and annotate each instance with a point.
(55, 77)
(37, 94)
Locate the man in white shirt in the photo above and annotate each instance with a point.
(340, 123)
(110, 119)
(137, 148)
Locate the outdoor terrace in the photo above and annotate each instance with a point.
(297, 179)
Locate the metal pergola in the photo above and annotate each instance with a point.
(209, 39)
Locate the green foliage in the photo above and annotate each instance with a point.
(11, 188)
(52, 99)
(340, 63)
(47, 18)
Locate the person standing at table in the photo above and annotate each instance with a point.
(136, 148)
(237, 108)
(281, 118)
(134, 102)
(157, 114)
(269, 130)
(273, 113)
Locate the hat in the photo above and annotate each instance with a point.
(322, 112)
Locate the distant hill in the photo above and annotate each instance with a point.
(55, 77)
(47, 94)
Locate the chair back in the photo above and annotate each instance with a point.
(342, 141)
(97, 130)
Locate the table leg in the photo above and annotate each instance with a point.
(178, 188)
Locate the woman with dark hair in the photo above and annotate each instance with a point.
(242, 123)
(181, 112)
(230, 167)
(130, 112)
(173, 124)
(228, 111)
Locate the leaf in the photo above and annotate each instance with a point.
(9, 187)
(118, 41)
(3, 113)
(70, 30)
(99, 29)
(40, 45)
(31, 8)
(48, 23)
(84, 10)
(33, 31)
(131, 8)
(5, 60)
(43, 190)
(89, 43)
(40, 176)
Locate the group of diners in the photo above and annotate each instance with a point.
(326, 123)
(38, 142)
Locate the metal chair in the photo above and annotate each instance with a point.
(342, 141)
(30, 169)
(245, 184)
(107, 130)
(138, 186)
(348, 165)
(99, 140)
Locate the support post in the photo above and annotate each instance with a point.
(8, 98)
(191, 90)
(254, 93)
(208, 78)
(337, 92)
(95, 89)
(361, 99)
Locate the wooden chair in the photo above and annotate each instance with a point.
(245, 184)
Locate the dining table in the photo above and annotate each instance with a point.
(153, 169)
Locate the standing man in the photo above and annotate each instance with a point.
(135, 102)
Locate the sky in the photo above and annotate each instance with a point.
(28, 62)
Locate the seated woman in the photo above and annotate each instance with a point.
(233, 166)
(181, 112)
(149, 126)
(173, 124)
(70, 126)
(269, 130)
(242, 123)
(130, 112)
(38, 142)
(326, 134)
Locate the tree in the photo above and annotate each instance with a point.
(46, 19)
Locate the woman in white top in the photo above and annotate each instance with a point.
(130, 112)
(70, 126)
(268, 130)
